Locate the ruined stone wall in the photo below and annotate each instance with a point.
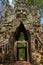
(11, 20)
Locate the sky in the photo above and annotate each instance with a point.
(41, 20)
(10, 2)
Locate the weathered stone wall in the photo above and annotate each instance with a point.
(30, 18)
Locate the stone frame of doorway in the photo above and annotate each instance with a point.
(15, 47)
(27, 38)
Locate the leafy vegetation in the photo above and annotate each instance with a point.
(5, 2)
(21, 47)
(39, 3)
(21, 37)
(22, 54)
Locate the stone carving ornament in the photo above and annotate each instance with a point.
(1, 38)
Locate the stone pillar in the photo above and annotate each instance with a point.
(27, 52)
(3, 50)
(3, 53)
(15, 50)
(7, 48)
(32, 47)
(32, 43)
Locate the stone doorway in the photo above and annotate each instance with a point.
(22, 36)
(21, 52)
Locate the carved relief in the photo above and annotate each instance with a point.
(11, 20)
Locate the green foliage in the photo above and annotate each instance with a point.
(21, 45)
(5, 2)
(21, 37)
(14, 2)
(22, 54)
(30, 2)
(39, 3)
(21, 51)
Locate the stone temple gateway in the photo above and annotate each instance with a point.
(21, 34)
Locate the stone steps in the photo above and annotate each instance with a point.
(18, 63)
(22, 63)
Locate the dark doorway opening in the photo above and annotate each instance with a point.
(21, 54)
(20, 31)
(21, 51)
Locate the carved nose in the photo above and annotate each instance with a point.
(21, 11)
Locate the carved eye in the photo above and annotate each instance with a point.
(18, 10)
(23, 10)
(17, 16)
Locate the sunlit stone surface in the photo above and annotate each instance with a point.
(26, 19)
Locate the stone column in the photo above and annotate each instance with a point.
(3, 53)
(15, 50)
(7, 48)
(3, 50)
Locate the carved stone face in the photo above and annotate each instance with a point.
(35, 14)
(21, 13)
(33, 10)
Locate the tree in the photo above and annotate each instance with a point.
(5, 2)
(39, 3)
